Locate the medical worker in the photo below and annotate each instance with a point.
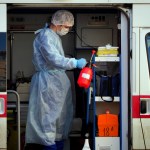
(50, 104)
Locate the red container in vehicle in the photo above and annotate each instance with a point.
(85, 77)
(108, 125)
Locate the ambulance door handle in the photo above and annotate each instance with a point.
(18, 114)
(2, 106)
(143, 108)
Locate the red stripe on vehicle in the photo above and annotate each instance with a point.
(3, 113)
(136, 106)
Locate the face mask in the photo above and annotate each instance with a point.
(63, 31)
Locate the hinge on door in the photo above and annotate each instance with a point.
(127, 11)
(130, 54)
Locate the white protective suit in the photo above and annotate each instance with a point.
(50, 104)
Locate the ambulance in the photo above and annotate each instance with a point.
(99, 25)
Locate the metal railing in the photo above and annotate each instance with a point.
(18, 113)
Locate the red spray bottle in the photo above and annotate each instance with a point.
(86, 74)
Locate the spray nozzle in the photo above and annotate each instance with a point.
(93, 53)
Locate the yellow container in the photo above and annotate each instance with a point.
(107, 51)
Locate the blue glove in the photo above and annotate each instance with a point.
(81, 63)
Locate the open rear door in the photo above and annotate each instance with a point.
(141, 102)
(3, 95)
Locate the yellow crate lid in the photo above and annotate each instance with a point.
(108, 50)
